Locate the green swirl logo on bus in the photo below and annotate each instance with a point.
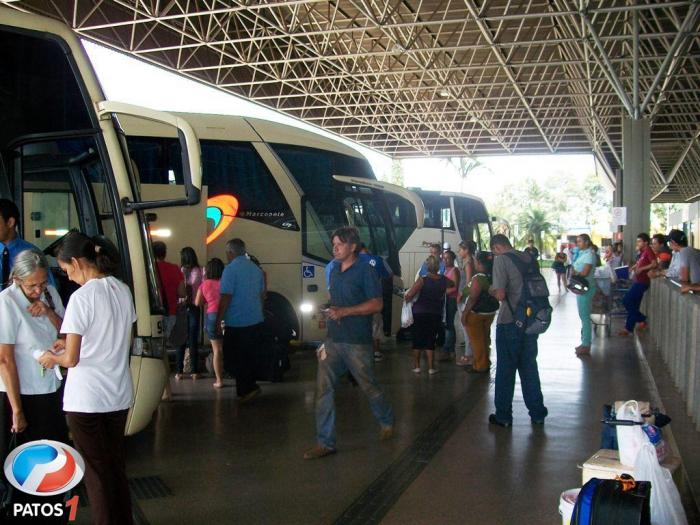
(221, 210)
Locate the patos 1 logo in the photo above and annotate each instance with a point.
(44, 468)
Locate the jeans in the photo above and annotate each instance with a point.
(359, 361)
(193, 315)
(632, 302)
(517, 352)
(450, 333)
(468, 351)
(584, 312)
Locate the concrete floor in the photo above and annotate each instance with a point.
(226, 463)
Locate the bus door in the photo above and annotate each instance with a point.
(377, 230)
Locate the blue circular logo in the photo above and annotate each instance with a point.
(44, 468)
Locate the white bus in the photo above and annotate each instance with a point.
(63, 161)
(283, 191)
(449, 218)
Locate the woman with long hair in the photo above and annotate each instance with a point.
(584, 266)
(98, 326)
(209, 293)
(427, 312)
(193, 275)
(466, 252)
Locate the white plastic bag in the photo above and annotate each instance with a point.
(406, 315)
(666, 506)
(630, 438)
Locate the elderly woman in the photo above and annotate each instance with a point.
(427, 312)
(31, 313)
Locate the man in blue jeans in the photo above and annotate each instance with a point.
(515, 350)
(356, 295)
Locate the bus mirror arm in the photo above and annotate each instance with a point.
(191, 152)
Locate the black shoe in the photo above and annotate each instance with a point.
(537, 421)
(498, 422)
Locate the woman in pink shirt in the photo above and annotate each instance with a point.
(209, 293)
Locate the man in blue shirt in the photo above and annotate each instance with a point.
(356, 294)
(435, 251)
(10, 242)
(241, 309)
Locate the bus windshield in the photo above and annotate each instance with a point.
(330, 204)
(473, 221)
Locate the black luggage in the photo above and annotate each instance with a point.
(613, 501)
(272, 359)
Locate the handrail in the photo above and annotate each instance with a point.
(674, 326)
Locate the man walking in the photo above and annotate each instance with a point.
(516, 351)
(241, 309)
(356, 295)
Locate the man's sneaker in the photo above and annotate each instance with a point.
(378, 356)
(386, 433)
(498, 422)
(318, 452)
(250, 395)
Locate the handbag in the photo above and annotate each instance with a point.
(578, 285)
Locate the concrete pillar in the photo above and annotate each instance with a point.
(636, 195)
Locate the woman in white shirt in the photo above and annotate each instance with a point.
(31, 312)
(98, 326)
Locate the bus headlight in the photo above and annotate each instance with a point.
(306, 308)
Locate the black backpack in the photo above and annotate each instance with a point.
(533, 313)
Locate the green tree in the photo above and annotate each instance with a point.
(396, 173)
(534, 223)
(465, 166)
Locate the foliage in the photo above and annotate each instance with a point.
(396, 173)
(551, 207)
(465, 166)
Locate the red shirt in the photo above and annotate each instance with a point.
(645, 259)
(170, 278)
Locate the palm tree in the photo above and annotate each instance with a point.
(535, 224)
(465, 166)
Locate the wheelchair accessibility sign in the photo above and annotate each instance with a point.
(308, 271)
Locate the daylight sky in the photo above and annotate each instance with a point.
(126, 79)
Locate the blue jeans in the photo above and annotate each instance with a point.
(632, 302)
(193, 314)
(584, 312)
(359, 361)
(517, 352)
(450, 333)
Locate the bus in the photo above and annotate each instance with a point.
(64, 162)
(449, 218)
(283, 190)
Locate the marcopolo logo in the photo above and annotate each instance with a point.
(44, 468)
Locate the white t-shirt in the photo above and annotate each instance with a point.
(27, 334)
(102, 312)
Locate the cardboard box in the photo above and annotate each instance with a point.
(605, 464)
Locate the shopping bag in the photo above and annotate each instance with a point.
(406, 315)
(630, 438)
(666, 506)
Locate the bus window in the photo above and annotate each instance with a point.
(484, 230)
(228, 168)
(437, 209)
(403, 218)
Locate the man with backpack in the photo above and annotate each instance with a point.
(524, 314)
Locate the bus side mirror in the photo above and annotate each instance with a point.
(189, 143)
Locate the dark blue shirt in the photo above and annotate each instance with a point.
(375, 261)
(16, 246)
(356, 285)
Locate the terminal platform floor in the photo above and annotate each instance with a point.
(205, 459)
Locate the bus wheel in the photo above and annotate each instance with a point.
(280, 316)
